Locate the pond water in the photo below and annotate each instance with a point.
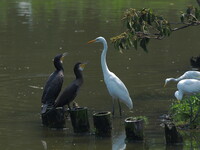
(32, 32)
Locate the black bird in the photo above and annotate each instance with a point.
(70, 92)
(54, 83)
(195, 62)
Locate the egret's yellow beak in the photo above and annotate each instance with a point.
(92, 41)
(165, 85)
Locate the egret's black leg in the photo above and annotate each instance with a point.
(113, 107)
(120, 109)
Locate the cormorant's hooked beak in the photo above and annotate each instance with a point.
(63, 55)
(92, 41)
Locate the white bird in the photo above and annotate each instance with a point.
(115, 86)
(187, 87)
(186, 75)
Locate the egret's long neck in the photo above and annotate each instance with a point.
(103, 59)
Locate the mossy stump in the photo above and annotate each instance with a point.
(54, 117)
(172, 136)
(79, 119)
(134, 128)
(102, 124)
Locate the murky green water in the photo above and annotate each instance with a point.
(32, 32)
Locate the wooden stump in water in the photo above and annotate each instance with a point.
(134, 128)
(54, 117)
(102, 124)
(172, 136)
(79, 119)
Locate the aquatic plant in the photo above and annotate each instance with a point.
(186, 113)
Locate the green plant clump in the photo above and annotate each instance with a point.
(186, 113)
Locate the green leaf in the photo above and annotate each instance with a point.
(143, 43)
(168, 31)
(182, 18)
(188, 11)
(196, 13)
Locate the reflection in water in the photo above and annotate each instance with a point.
(24, 9)
(44, 143)
(118, 142)
(35, 87)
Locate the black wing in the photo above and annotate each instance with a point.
(68, 95)
(52, 88)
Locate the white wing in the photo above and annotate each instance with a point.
(189, 86)
(117, 89)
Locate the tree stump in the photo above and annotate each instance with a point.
(102, 124)
(54, 117)
(172, 136)
(79, 119)
(134, 129)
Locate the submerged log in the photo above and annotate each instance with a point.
(79, 119)
(172, 136)
(102, 124)
(54, 117)
(134, 128)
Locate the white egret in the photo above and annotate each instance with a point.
(186, 75)
(187, 87)
(115, 86)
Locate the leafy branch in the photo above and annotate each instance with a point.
(143, 25)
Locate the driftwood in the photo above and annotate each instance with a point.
(54, 117)
(134, 128)
(102, 124)
(79, 119)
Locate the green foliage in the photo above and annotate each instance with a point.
(186, 111)
(144, 118)
(139, 26)
(146, 121)
(191, 16)
(143, 25)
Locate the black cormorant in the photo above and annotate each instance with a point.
(70, 92)
(54, 83)
(195, 62)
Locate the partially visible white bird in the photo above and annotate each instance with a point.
(115, 86)
(187, 87)
(186, 75)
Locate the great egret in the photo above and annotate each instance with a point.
(187, 87)
(70, 92)
(115, 86)
(54, 83)
(186, 75)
